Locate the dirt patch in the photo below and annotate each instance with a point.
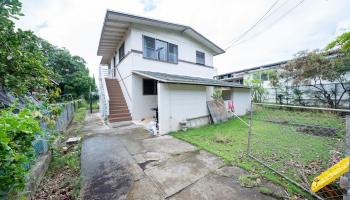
(59, 184)
(317, 130)
(309, 129)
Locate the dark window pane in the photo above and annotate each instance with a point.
(121, 52)
(172, 54)
(161, 50)
(200, 58)
(264, 76)
(149, 47)
(149, 87)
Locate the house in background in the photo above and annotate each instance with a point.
(156, 68)
(261, 72)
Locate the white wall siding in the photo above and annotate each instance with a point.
(142, 104)
(140, 63)
(187, 47)
(177, 102)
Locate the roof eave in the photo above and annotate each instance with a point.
(189, 83)
(154, 22)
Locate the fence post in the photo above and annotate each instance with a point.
(250, 127)
(347, 195)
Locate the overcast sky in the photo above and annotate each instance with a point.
(76, 25)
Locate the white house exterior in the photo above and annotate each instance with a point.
(159, 65)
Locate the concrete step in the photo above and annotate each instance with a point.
(119, 115)
(120, 119)
(120, 110)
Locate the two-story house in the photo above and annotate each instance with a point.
(158, 68)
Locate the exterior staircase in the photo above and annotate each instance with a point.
(118, 109)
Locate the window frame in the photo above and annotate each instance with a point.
(155, 88)
(122, 47)
(144, 48)
(200, 52)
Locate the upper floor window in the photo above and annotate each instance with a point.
(200, 58)
(159, 50)
(121, 52)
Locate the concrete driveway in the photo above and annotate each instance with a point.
(128, 163)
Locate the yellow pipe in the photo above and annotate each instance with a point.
(330, 175)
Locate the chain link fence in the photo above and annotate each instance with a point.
(299, 143)
(62, 121)
(335, 95)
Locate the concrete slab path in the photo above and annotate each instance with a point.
(128, 163)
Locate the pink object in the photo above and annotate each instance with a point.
(230, 105)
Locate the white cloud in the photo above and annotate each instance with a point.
(76, 25)
(149, 5)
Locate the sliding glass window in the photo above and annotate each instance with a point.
(159, 50)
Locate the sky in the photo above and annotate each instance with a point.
(289, 27)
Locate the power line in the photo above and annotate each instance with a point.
(252, 27)
(270, 25)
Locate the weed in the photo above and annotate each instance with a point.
(249, 180)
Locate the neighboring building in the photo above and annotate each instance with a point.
(262, 73)
(157, 65)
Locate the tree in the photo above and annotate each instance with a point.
(315, 69)
(21, 60)
(70, 71)
(342, 42)
(258, 90)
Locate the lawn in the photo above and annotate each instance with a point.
(281, 138)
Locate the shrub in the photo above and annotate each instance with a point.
(17, 132)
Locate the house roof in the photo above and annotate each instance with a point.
(179, 79)
(262, 67)
(328, 54)
(116, 25)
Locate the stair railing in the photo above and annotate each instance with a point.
(104, 97)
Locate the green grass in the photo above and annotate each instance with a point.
(79, 115)
(277, 144)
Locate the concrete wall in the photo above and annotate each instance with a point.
(178, 102)
(241, 99)
(142, 104)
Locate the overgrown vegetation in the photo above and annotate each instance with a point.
(62, 181)
(229, 141)
(19, 128)
(29, 64)
(316, 69)
(17, 132)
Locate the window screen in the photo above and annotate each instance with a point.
(200, 58)
(161, 50)
(172, 55)
(149, 47)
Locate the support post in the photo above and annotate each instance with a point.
(347, 195)
(250, 127)
(90, 96)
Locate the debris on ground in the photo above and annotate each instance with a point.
(73, 140)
